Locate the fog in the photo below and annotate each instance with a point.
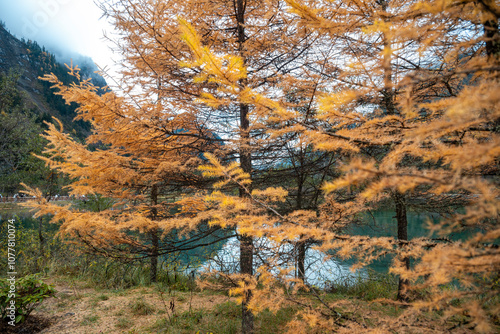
(65, 27)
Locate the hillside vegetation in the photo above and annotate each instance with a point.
(26, 103)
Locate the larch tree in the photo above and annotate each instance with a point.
(410, 97)
(420, 80)
(144, 159)
(300, 170)
(414, 101)
(166, 111)
(379, 81)
(262, 37)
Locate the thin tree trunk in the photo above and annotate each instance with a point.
(246, 267)
(40, 235)
(301, 259)
(301, 245)
(390, 109)
(246, 242)
(402, 222)
(492, 38)
(41, 244)
(388, 91)
(153, 274)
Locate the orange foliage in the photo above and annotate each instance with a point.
(407, 91)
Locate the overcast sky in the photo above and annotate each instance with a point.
(60, 26)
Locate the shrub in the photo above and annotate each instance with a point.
(17, 304)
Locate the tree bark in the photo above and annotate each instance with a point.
(40, 236)
(390, 109)
(246, 267)
(246, 242)
(492, 38)
(153, 273)
(301, 245)
(301, 259)
(388, 91)
(402, 222)
(41, 240)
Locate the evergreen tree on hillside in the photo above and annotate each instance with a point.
(45, 63)
(20, 129)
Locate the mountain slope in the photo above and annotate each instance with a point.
(26, 103)
(30, 61)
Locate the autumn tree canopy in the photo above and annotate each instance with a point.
(400, 96)
(418, 80)
(135, 164)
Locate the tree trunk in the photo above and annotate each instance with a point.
(154, 237)
(41, 241)
(388, 91)
(153, 274)
(301, 245)
(492, 38)
(402, 222)
(246, 242)
(301, 259)
(246, 267)
(40, 236)
(390, 109)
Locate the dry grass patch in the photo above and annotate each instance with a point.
(80, 309)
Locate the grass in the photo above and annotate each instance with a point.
(102, 291)
(102, 297)
(223, 318)
(139, 310)
(90, 320)
(141, 307)
(124, 323)
(370, 287)
(269, 323)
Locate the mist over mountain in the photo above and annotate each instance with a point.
(85, 63)
(66, 28)
(27, 104)
(30, 61)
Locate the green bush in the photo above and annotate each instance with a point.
(19, 297)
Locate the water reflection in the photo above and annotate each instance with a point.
(320, 270)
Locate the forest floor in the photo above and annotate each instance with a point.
(79, 308)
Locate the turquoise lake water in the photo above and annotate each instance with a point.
(380, 223)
